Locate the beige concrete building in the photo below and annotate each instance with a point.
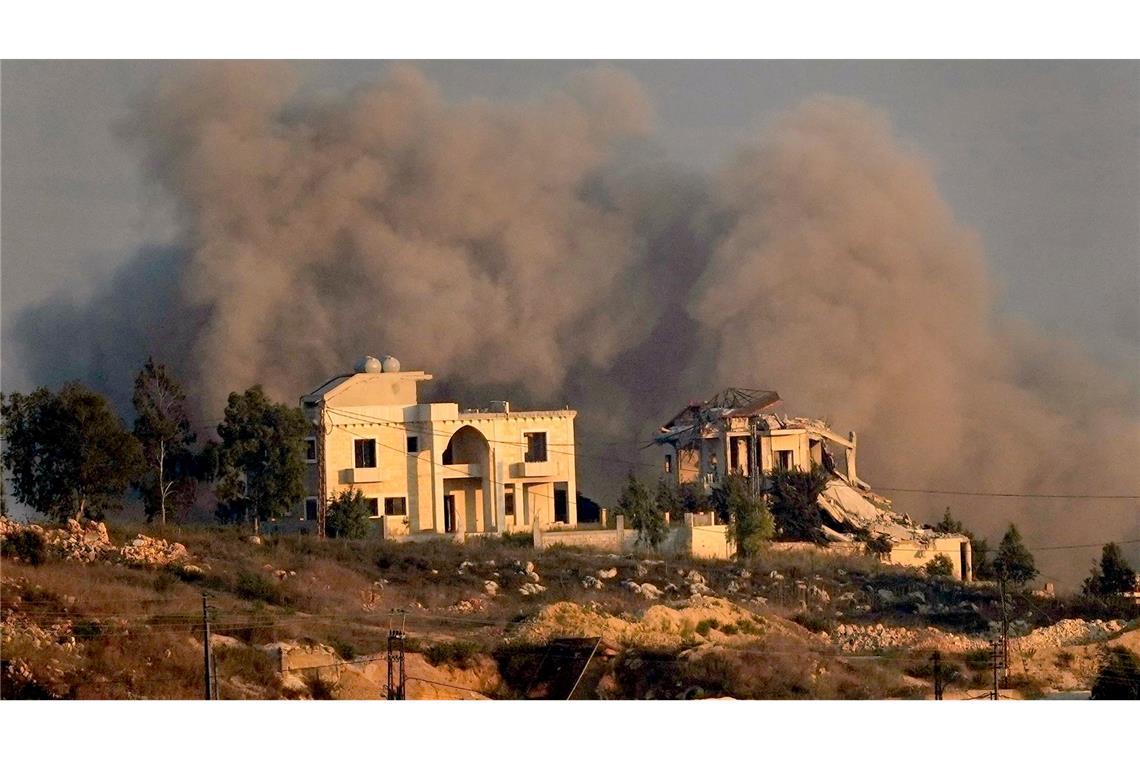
(431, 469)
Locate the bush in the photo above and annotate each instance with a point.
(344, 649)
(348, 516)
(458, 653)
(1118, 676)
(254, 587)
(814, 623)
(939, 567)
(25, 546)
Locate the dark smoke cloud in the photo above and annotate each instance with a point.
(528, 251)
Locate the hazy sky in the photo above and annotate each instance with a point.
(1041, 158)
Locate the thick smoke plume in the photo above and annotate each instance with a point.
(527, 250)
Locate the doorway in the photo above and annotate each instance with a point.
(449, 513)
(561, 503)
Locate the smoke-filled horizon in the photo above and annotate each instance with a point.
(532, 251)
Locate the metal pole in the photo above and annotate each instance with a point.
(584, 667)
(206, 644)
(996, 651)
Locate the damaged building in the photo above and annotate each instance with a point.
(739, 432)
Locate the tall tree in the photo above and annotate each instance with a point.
(162, 426)
(750, 522)
(668, 498)
(69, 455)
(1113, 576)
(261, 457)
(1013, 562)
(1118, 676)
(637, 506)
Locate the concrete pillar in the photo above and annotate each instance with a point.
(603, 514)
(852, 472)
(619, 523)
(500, 494)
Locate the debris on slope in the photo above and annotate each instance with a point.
(88, 542)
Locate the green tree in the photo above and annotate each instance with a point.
(348, 515)
(1013, 562)
(637, 506)
(1118, 676)
(794, 499)
(668, 499)
(1113, 576)
(949, 525)
(693, 497)
(749, 520)
(68, 453)
(260, 459)
(162, 426)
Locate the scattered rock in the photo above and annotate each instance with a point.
(606, 574)
(490, 588)
(255, 540)
(886, 595)
(590, 582)
(529, 589)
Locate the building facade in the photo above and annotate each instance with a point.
(429, 469)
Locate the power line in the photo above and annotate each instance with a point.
(1006, 494)
(368, 419)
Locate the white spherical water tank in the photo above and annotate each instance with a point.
(369, 364)
(390, 363)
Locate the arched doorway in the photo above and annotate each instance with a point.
(468, 499)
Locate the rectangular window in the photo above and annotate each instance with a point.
(535, 447)
(365, 452)
(784, 460)
(373, 506)
(311, 508)
(413, 444)
(395, 505)
(310, 449)
(509, 504)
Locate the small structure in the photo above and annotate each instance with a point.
(429, 469)
(738, 432)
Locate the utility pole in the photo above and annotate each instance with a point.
(206, 658)
(936, 658)
(322, 485)
(1004, 629)
(397, 679)
(996, 659)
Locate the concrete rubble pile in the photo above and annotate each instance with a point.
(1070, 631)
(861, 639)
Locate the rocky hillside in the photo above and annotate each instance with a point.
(92, 612)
